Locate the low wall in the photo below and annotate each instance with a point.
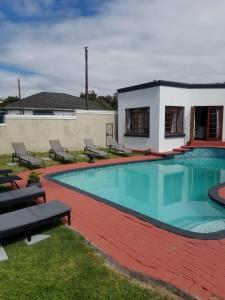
(35, 131)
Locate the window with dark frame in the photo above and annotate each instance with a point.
(137, 121)
(43, 112)
(174, 120)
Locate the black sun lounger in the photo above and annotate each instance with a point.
(60, 152)
(28, 219)
(5, 177)
(20, 196)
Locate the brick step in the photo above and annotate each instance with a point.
(199, 143)
(170, 153)
(179, 150)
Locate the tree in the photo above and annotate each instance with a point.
(108, 101)
(9, 99)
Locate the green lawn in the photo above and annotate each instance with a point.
(64, 267)
(4, 159)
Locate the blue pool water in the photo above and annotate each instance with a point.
(173, 191)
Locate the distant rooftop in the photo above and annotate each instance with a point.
(172, 84)
(54, 101)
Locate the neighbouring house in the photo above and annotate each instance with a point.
(46, 103)
(163, 115)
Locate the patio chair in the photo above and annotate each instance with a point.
(91, 148)
(114, 146)
(21, 196)
(25, 157)
(59, 152)
(30, 218)
(6, 177)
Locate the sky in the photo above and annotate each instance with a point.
(129, 41)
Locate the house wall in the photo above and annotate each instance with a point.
(158, 98)
(35, 131)
(187, 98)
(170, 96)
(134, 99)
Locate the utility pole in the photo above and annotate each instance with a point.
(86, 76)
(19, 93)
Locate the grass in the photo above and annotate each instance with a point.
(64, 267)
(5, 159)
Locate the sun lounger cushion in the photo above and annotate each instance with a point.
(27, 219)
(89, 146)
(21, 196)
(9, 179)
(65, 156)
(31, 160)
(59, 152)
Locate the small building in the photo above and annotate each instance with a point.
(46, 103)
(163, 115)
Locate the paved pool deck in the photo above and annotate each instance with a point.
(195, 266)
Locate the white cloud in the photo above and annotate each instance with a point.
(130, 42)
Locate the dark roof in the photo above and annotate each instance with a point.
(172, 84)
(54, 101)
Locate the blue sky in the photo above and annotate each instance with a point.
(45, 10)
(130, 42)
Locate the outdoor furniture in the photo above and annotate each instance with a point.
(59, 152)
(23, 195)
(30, 218)
(91, 157)
(5, 177)
(25, 157)
(91, 148)
(114, 146)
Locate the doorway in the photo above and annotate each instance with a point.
(109, 132)
(206, 123)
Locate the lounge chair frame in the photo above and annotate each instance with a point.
(24, 159)
(6, 177)
(58, 154)
(36, 222)
(94, 149)
(21, 196)
(118, 148)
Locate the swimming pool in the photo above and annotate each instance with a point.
(171, 193)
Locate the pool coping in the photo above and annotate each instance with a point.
(182, 232)
(214, 193)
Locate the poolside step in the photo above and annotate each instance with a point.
(170, 153)
(199, 143)
(179, 150)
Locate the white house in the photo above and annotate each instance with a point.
(163, 115)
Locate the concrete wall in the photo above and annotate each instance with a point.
(35, 131)
(30, 112)
(134, 99)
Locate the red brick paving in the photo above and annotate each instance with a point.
(195, 266)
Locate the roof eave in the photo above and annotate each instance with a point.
(172, 84)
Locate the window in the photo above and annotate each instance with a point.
(2, 117)
(174, 117)
(43, 112)
(137, 121)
